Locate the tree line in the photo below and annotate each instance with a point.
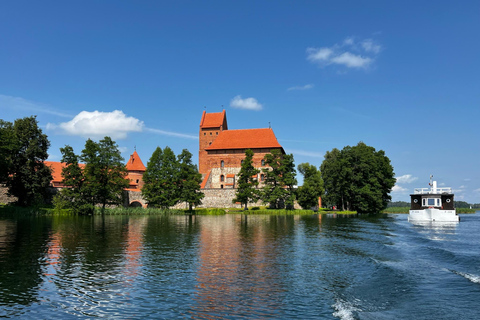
(355, 178)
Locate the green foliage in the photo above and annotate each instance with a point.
(402, 209)
(247, 182)
(312, 189)
(7, 148)
(398, 204)
(279, 180)
(189, 180)
(23, 150)
(101, 181)
(357, 178)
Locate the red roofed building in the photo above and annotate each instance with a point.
(57, 168)
(135, 169)
(221, 151)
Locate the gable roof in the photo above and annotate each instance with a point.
(135, 163)
(57, 169)
(214, 120)
(245, 139)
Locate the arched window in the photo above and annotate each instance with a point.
(263, 163)
(222, 164)
(222, 178)
(262, 177)
(221, 186)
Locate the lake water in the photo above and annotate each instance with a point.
(234, 267)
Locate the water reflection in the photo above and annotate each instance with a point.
(236, 274)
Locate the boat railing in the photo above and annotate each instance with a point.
(432, 190)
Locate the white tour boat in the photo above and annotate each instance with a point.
(432, 204)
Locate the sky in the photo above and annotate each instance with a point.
(401, 76)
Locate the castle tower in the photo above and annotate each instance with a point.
(135, 169)
(210, 127)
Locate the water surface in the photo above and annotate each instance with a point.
(237, 266)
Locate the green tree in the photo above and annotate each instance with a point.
(358, 178)
(28, 176)
(247, 182)
(7, 147)
(280, 180)
(75, 196)
(312, 189)
(190, 180)
(162, 179)
(101, 181)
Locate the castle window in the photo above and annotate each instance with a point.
(241, 162)
(222, 178)
(262, 177)
(263, 163)
(216, 133)
(210, 133)
(221, 186)
(204, 133)
(138, 180)
(209, 143)
(222, 164)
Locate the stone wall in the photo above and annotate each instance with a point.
(4, 198)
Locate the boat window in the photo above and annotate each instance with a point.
(431, 202)
(424, 202)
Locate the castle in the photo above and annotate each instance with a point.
(220, 156)
(221, 151)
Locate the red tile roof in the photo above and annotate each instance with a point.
(245, 139)
(213, 120)
(135, 163)
(205, 180)
(57, 169)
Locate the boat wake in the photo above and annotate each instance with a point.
(344, 310)
(469, 276)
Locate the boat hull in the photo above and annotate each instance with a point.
(433, 214)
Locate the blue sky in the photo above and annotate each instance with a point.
(400, 76)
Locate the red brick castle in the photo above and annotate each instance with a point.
(221, 151)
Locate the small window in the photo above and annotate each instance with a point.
(262, 177)
(204, 133)
(241, 162)
(221, 186)
(222, 178)
(210, 133)
(138, 180)
(424, 203)
(216, 133)
(431, 202)
(263, 163)
(209, 143)
(222, 164)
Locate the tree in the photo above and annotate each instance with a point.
(279, 180)
(28, 177)
(7, 147)
(358, 178)
(101, 181)
(190, 180)
(247, 181)
(312, 188)
(161, 179)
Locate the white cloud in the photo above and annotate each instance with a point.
(397, 189)
(172, 134)
(349, 53)
(9, 102)
(305, 87)
(98, 124)
(248, 103)
(477, 190)
(370, 46)
(352, 61)
(406, 178)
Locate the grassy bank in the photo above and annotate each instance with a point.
(49, 210)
